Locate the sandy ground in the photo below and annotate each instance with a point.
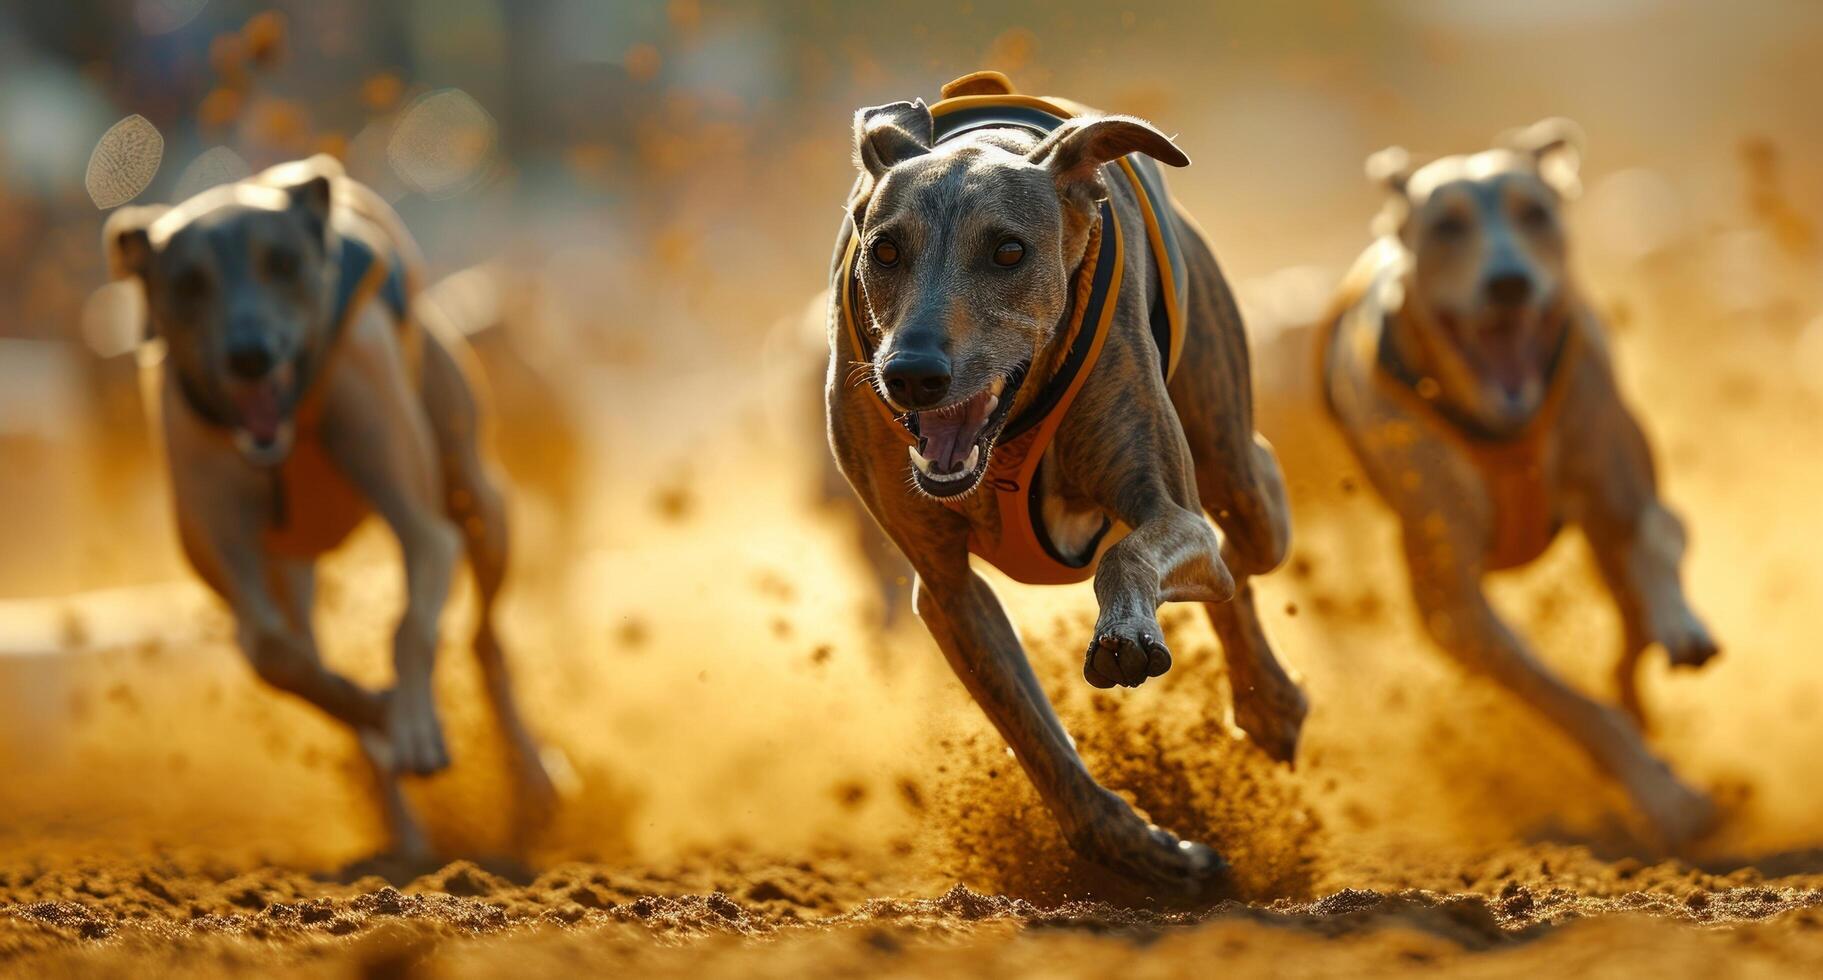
(1542, 909)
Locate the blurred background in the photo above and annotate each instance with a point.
(639, 199)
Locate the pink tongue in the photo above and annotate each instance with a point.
(258, 405)
(950, 434)
(1506, 354)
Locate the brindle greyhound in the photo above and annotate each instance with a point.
(301, 387)
(1471, 377)
(980, 240)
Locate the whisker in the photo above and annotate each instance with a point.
(860, 372)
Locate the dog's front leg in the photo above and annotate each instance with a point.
(1171, 555)
(294, 581)
(1639, 563)
(376, 430)
(966, 619)
(1637, 541)
(220, 533)
(1459, 617)
(284, 657)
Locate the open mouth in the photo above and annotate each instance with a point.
(262, 409)
(955, 441)
(1501, 349)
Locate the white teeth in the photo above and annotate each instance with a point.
(993, 402)
(924, 465)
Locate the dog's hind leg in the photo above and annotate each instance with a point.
(478, 507)
(970, 627)
(294, 583)
(1250, 508)
(1239, 484)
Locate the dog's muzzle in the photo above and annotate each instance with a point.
(263, 428)
(955, 440)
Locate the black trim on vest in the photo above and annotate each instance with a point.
(1085, 336)
(1160, 204)
(1034, 502)
(960, 121)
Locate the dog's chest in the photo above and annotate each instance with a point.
(314, 506)
(1074, 530)
(1074, 527)
(1520, 481)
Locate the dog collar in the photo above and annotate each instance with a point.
(1021, 547)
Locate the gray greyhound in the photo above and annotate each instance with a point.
(300, 388)
(1471, 377)
(994, 387)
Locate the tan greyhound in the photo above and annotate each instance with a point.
(1471, 377)
(299, 389)
(1034, 358)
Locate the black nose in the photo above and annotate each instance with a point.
(1509, 289)
(250, 361)
(917, 379)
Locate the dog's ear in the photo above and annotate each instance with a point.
(1076, 150)
(1391, 168)
(1555, 146)
(127, 240)
(311, 199)
(887, 135)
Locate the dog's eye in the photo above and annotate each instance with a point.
(885, 253)
(1009, 253)
(1535, 215)
(1450, 227)
(281, 263)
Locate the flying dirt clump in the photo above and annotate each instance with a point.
(1168, 750)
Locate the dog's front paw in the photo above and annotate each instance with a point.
(1126, 654)
(1689, 646)
(414, 731)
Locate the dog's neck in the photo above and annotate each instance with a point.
(1048, 358)
(1412, 335)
